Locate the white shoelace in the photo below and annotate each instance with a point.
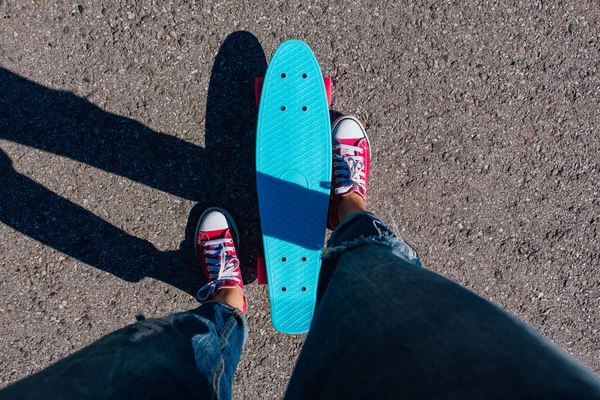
(221, 266)
(350, 167)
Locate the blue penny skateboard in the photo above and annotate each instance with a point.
(293, 173)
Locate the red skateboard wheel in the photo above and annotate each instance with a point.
(327, 82)
(261, 271)
(258, 82)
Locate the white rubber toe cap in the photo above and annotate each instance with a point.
(348, 128)
(213, 221)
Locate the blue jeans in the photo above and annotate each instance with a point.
(384, 328)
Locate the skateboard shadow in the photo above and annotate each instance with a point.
(230, 137)
(222, 173)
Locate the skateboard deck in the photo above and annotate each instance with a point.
(293, 167)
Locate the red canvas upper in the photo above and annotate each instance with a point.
(217, 256)
(351, 163)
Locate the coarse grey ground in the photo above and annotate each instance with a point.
(121, 120)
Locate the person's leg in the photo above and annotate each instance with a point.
(186, 355)
(192, 354)
(387, 328)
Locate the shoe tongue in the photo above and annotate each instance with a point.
(229, 284)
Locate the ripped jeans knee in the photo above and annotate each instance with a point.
(361, 229)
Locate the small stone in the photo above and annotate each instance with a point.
(69, 188)
(445, 57)
(522, 50)
(173, 35)
(28, 282)
(484, 77)
(130, 15)
(137, 229)
(9, 306)
(571, 28)
(428, 11)
(80, 8)
(528, 141)
(476, 102)
(555, 171)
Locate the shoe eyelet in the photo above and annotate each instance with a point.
(206, 260)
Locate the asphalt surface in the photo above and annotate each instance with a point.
(121, 120)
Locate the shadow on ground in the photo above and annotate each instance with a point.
(222, 173)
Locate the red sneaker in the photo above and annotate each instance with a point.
(351, 161)
(216, 237)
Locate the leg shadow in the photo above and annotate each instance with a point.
(222, 174)
(41, 214)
